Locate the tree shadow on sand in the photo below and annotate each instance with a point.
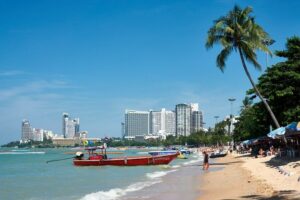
(281, 195)
(248, 155)
(276, 162)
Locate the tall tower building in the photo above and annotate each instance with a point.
(65, 119)
(136, 123)
(197, 121)
(122, 129)
(155, 122)
(70, 127)
(170, 123)
(162, 122)
(183, 119)
(27, 133)
(77, 127)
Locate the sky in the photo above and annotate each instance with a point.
(96, 58)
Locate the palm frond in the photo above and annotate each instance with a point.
(222, 57)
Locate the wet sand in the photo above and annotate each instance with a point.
(182, 184)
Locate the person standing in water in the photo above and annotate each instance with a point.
(205, 160)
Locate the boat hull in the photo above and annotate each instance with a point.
(128, 161)
(218, 155)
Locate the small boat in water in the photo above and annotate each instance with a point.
(218, 154)
(166, 152)
(95, 159)
(163, 152)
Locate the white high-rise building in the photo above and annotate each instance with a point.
(155, 122)
(137, 123)
(71, 127)
(26, 131)
(170, 123)
(38, 134)
(65, 119)
(183, 119)
(162, 122)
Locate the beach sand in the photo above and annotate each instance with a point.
(245, 177)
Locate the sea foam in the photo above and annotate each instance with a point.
(158, 174)
(116, 193)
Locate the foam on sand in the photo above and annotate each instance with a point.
(191, 162)
(158, 174)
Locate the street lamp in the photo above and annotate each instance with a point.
(268, 42)
(231, 103)
(216, 117)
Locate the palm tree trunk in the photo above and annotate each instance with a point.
(257, 91)
(259, 95)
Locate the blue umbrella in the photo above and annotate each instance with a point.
(245, 142)
(292, 126)
(277, 132)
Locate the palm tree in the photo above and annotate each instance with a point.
(238, 31)
(246, 103)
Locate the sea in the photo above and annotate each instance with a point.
(25, 174)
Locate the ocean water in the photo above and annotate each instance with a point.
(26, 175)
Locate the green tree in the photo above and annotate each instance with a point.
(238, 31)
(281, 86)
(281, 83)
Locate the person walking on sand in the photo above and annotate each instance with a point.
(205, 160)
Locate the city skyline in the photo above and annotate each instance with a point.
(185, 119)
(95, 59)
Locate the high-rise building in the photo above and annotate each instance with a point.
(197, 121)
(155, 122)
(162, 122)
(122, 129)
(65, 119)
(26, 131)
(77, 127)
(71, 127)
(136, 123)
(183, 119)
(170, 123)
(38, 134)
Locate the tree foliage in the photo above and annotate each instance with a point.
(280, 85)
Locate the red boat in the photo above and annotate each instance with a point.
(95, 159)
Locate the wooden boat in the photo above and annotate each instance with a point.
(101, 160)
(217, 155)
(163, 152)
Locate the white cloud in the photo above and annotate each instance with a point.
(11, 73)
(31, 87)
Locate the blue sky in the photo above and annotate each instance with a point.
(93, 59)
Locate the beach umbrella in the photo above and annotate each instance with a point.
(277, 132)
(292, 126)
(246, 142)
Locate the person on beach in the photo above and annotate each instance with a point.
(205, 161)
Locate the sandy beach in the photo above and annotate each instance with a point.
(245, 177)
